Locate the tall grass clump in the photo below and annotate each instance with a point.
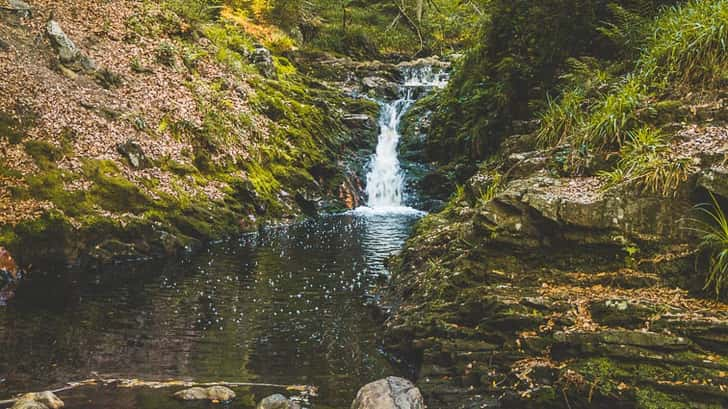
(689, 43)
(684, 45)
(715, 240)
(647, 162)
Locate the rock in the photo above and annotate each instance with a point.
(67, 51)
(4, 46)
(359, 121)
(389, 393)
(213, 393)
(20, 8)
(715, 180)
(220, 393)
(620, 313)
(191, 394)
(277, 401)
(39, 400)
(263, 59)
(132, 151)
(380, 86)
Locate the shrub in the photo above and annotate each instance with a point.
(715, 241)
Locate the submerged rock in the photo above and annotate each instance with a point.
(277, 401)
(389, 393)
(213, 393)
(39, 400)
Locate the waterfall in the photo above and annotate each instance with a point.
(385, 181)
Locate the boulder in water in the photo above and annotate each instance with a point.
(277, 401)
(220, 393)
(380, 87)
(213, 393)
(389, 393)
(38, 400)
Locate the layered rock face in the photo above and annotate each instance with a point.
(535, 290)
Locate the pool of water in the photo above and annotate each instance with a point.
(288, 305)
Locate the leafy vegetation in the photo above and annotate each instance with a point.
(715, 241)
(646, 161)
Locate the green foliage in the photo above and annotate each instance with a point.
(43, 153)
(616, 115)
(562, 118)
(524, 47)
(195, 11)
(686, 43)
(715, 241)
(166, 54)
(690, 43)
(646, 161)
(491, 188)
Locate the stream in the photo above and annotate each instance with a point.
(288, 305)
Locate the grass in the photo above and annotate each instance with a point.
(715, 240)
(685, 45)
(690, 43)
(647, 162)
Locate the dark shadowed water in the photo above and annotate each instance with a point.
(287, 305)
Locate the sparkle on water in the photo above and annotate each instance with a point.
(287, 305)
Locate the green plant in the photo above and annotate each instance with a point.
(489, 193)
(561, 119)
(715, 241)
(689, 43)
(166, 54)
(615, 115)
(647, 161)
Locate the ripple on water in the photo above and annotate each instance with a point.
(285, 305)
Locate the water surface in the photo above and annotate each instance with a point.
(287, 305)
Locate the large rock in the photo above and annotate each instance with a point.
(277, 401)
(68, 53)
(213, 393)
(38, 400)
(380, 87)
(133, 152)
(262, 58)
(18, 7)
(389, 393)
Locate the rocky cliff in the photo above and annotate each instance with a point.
(538, 288)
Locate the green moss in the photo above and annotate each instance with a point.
(10, 128)
(43, 153)
(111, 190)
(284, 68)
(648, 398)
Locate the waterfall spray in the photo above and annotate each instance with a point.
(385, 181)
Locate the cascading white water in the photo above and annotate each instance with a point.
(385, 182)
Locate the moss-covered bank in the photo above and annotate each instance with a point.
(186, 130)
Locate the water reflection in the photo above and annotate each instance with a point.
(286, 305)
